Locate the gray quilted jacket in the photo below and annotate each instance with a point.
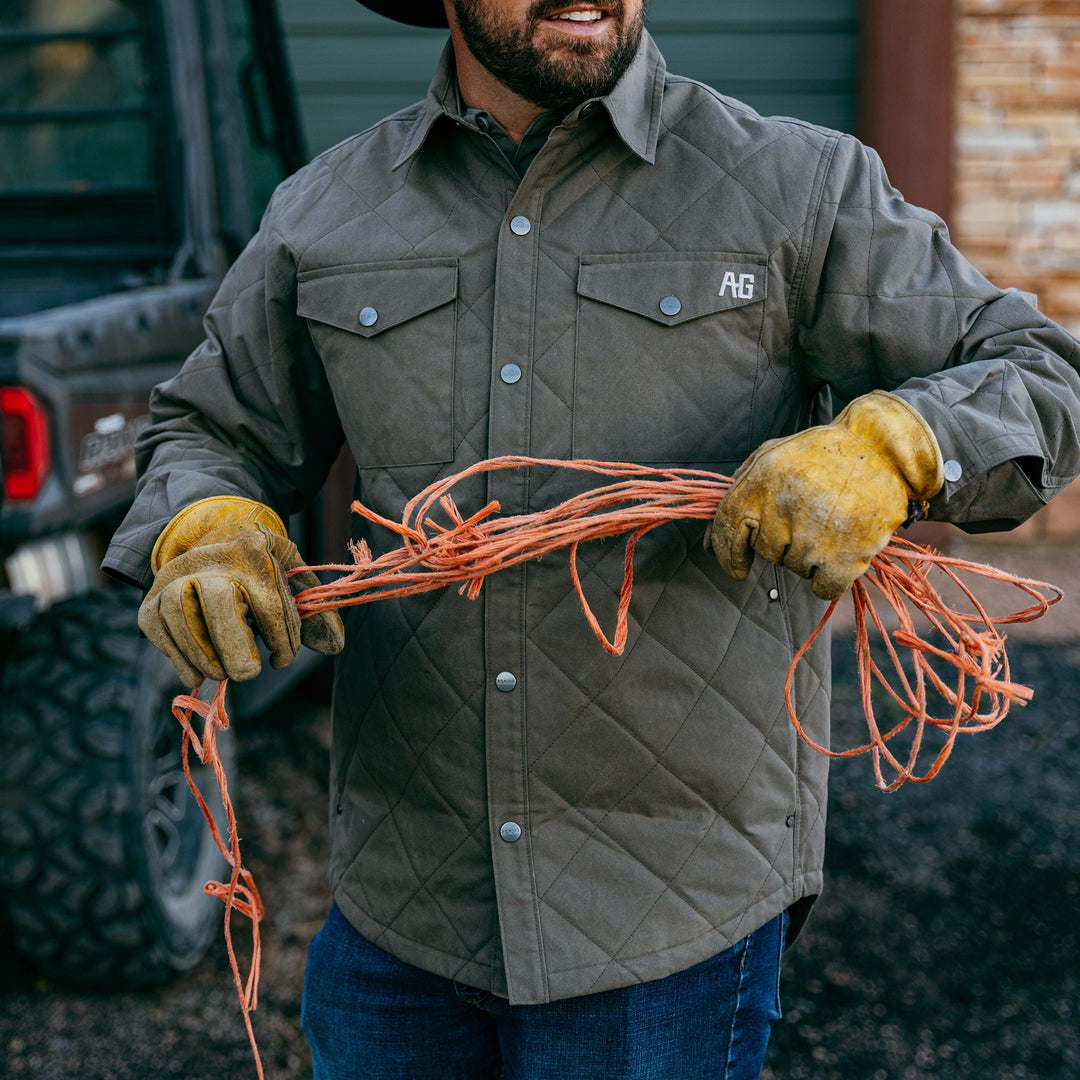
(676, 279)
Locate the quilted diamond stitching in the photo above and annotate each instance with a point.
(667, 887)
(600, 573)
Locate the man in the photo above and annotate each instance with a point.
(545, 858)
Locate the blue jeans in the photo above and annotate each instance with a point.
(368, 1016)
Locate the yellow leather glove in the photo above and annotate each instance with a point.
(217, 564)
(825, 501)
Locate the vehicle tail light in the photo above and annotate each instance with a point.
(24, 443)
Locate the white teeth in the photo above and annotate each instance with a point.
(581, 16)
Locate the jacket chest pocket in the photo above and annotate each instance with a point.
(386, 335)
(667, 356)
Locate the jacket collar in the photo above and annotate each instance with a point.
(633, 106)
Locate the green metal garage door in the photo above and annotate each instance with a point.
(793, 57)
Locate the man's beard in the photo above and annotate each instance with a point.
(590, 70)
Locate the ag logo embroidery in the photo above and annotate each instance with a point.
(741, 285)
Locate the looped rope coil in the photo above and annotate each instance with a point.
(465, 550)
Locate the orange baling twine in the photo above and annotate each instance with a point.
(239, 893)
(465, 550)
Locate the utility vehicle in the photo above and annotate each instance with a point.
(139, 141)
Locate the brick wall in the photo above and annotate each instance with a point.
(1017, 198)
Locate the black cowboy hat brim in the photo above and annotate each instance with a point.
(413, 12)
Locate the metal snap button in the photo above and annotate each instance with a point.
(774, 594)
(671, 305)
(510, 373)
(953, 471)
(505, 681)
(510, 831)
(520, 225)
(367, 316)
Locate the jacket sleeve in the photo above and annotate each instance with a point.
(249, 413)
(890, 303)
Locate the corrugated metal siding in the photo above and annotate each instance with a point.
(792, 57)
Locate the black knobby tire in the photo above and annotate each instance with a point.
(103, 849)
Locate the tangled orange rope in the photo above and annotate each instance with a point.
(239, 892)
(465, 550)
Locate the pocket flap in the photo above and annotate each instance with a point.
(373, 297)
(675, 289)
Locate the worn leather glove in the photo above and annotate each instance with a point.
(217, 564)
(825, 501)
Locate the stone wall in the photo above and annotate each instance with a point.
(1017, 199)
(1016, 212)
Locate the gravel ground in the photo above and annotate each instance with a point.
(945, 945)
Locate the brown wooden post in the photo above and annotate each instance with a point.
(907, 97)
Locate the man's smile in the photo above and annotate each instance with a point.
(579, 20)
